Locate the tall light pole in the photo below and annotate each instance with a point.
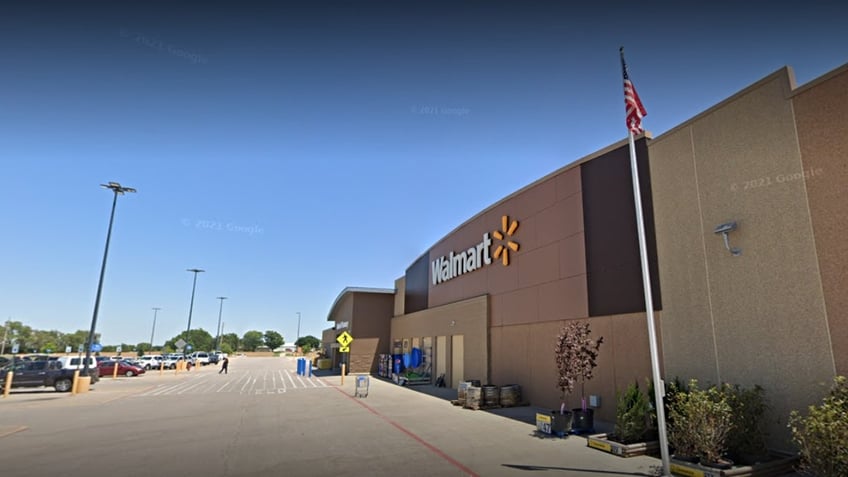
(191, 305)
(298, 328)
(155, 311)
(118, 189)
(220, 310)
(5, 335)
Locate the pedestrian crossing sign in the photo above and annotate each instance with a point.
(344, 339)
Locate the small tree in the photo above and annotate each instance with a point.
(632, 415)
(576, 357)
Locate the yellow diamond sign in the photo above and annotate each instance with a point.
(344, 339)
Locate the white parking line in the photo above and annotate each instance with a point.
(189, 387)
(288, 372)
(164, 390)
(282, 380)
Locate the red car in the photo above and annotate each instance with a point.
(107, 368)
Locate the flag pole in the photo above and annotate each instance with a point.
(659, 385)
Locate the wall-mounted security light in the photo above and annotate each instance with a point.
(725, 229)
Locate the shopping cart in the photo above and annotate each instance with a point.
(361, 386)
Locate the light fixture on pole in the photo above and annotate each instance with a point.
(220, 310)
(191, 304)
(118, 189)
(152, 330)
(298, 328)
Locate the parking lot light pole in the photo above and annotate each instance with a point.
(155, 311)
(118, 189)
(298, 328)
(220, 310)
(191, 305)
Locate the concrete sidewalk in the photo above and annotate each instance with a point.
(499, 442)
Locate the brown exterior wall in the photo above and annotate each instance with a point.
(546, 280)
(523, 354)
(758, 318)
(363, 354)
(820, 110)
(370, 329)
(467, 318)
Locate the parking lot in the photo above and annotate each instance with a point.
(263, 418)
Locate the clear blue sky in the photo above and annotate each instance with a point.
(296, 149)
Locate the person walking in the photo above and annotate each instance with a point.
(224, 365)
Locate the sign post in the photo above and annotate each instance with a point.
(344, 339)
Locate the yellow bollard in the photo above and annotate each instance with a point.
(115, 371)
(161, 368)
(343, 373)
(8, 386)
(76, 382)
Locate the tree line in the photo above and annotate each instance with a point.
(30, 340)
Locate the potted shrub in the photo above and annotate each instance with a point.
(632, 415)
(747, 443)
(576, 356)
(634, 433)
(701, 423)
(822, 436)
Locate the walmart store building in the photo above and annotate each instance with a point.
(487, 301)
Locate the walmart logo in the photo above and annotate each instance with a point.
(502, 251)
(455, 264)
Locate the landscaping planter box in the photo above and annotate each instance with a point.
(779, 464)
(600, 442)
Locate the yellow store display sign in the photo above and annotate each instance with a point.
(605, 446)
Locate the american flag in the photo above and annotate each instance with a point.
(632, 104)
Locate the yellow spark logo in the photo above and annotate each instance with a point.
(509, 229)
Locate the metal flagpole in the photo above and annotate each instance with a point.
(634, 120)
(659, 386)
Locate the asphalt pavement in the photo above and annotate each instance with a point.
(262, 418)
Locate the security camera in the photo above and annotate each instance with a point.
(724, 228)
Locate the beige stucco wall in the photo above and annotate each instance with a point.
(758, 318)
(400, 296)
(468, 318)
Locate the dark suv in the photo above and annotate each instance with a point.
(34, 374)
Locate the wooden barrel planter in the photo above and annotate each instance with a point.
(472, 397)
(491, 395)
(510, 395)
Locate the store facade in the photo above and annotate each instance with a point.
(746, 213)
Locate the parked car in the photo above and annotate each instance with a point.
(34, 374)
(171, 360)
(107, 368)
(150, 361)
(199, 358)
(76, 362)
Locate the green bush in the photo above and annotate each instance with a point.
(701, 422)
(822, 436)
(747, 442)
(632, 416)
